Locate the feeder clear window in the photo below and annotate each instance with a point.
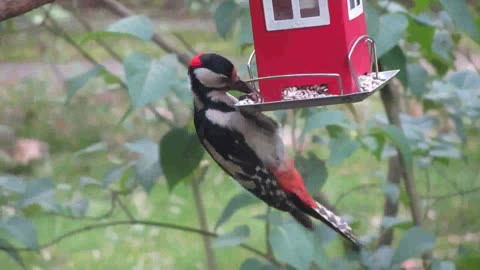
(355, 8)
(290, 14)
(309, 8)
(282, 9)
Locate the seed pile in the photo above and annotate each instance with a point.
(248, 99)
(305, 92)
(369, 82)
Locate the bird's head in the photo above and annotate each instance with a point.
(213, 72)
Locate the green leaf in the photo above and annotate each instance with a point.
(373, 19)
(79, 81)
(114, 174)
(395, 59)
(443, 45)
(395, 222)
(392, 28)
(465, 79)
(341, 149)
(392, 192)
(13, 254)
(96, 147)
(421, 5)
(22, 230)
(291, 243)
(462, 17)
(397, 137)
(245, 37)
(459, 127)
(78, 208)
(225, 16)
(442, 265)
(414, 243)
(39, 192)
(380, 259)
(236, 237)
(13, 183)
(322, 235)
(417, 79)
(255, 264)
(321, 119)
(147, 79)
(147, 169)
(421, 33)
(313, 170)
(180, 155)
(140, 27)
(238, 201)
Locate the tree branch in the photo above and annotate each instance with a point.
(132, 222)
(451, 195)
(352, 190)
(390, 208)
(58, 30)
(202, 216)
(123, 11)
(389, 95)
(107, 214)
(13, 8)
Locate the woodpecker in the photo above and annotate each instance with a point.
(247, 145)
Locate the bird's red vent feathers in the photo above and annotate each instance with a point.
(196, 61)
(291, 181)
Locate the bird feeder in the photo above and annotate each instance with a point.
(318, 49)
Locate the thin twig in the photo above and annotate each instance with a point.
(451, 195)
(57, 30)
(353, 190)
(13, 8)
(123, 11)
(202, 217)
(102, 43)
(185, 43)
(107, 214)
(130, 222)
(125, 209)
(389, 96)
(428, 189)
(267, 233)
(294, 128)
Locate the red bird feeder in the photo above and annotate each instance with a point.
(311, 53)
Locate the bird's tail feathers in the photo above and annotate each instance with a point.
(335, 222)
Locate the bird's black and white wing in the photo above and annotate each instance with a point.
(229, 149)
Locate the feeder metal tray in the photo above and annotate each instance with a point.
(322, 101)
(385, 76)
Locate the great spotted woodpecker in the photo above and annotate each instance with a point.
(248, 146)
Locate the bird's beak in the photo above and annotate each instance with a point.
(241, 86)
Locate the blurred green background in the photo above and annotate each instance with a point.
(74, 143)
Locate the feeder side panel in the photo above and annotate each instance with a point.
(319, 49)
(361, 57)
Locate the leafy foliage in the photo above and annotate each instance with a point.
(179, 146)
(147, 79)
(421, 40)
(140, 27)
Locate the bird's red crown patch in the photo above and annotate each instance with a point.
(196, 61)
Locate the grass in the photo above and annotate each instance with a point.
(70, 128)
